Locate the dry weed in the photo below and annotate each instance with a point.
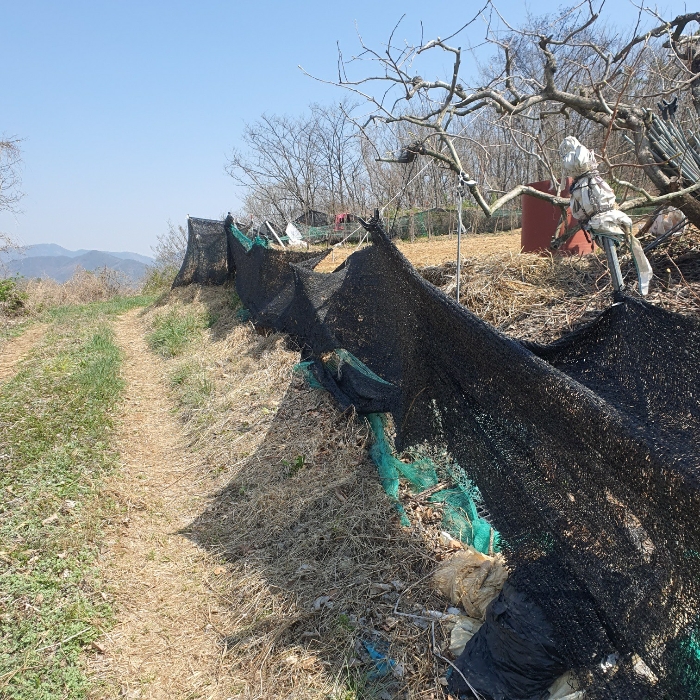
(314, 561)
(435, 250)
(82, 288)
(540, 298)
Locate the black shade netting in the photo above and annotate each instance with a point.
(207, 255)
(585, 451)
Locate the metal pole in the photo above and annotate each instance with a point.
(459, 234)
(613, 264)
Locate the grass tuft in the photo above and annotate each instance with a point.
(174, 330)
(193, 384)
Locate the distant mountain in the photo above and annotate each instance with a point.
(32, 251)
(123, 255)
(62, 267)
(52, 250)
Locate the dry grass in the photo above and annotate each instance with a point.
(293, 554)
(528, 296)
(161, 646)
(293, 529)
(436, 250)
(540, 297)
(36, 296)
(82, 288)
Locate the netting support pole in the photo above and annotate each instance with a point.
(613, 263)
(460, 191)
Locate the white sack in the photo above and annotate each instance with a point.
(613, 221)
(666, 220)
(294, 235)
(590, 196)
(593, 199)
(644, 271)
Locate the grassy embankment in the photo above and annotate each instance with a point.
(55, 422)
(296, 515)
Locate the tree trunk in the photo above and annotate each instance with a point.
(690, 207)
(695, 85)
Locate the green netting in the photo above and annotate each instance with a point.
(459, 503)
(335, 361)
(304, 368)
(461, 519)
(685, 664)
(313, 234)
(246, 242)
(318, 231)
(426, 469)
(387, 465)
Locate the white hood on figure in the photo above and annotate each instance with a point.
(576, 158)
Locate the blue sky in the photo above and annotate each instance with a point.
(128, 109)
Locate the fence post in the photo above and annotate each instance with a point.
(459, 233)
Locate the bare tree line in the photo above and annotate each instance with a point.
(559, 75)
(10, 181)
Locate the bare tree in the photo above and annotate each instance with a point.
(10, 194)
(279, 165)
(169, 251)
(10, 181)
(293, 165)
(556, 74)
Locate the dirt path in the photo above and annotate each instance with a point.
(14, 350)
(164, 644)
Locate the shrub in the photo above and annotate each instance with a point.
(169, 253)
(13, 301)
(158, 279)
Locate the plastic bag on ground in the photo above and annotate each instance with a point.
(472, 580)
(566, 687)
(513, 656)
(665, 220)
(465, 628)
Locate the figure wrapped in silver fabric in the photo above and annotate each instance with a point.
(593, 205)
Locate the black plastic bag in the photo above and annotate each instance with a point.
(513, 655)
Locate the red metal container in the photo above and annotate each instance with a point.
(540, 220)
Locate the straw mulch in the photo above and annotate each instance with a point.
(435, 250)
(542, 297)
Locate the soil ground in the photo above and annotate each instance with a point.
(163, 645)
(15, 349)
